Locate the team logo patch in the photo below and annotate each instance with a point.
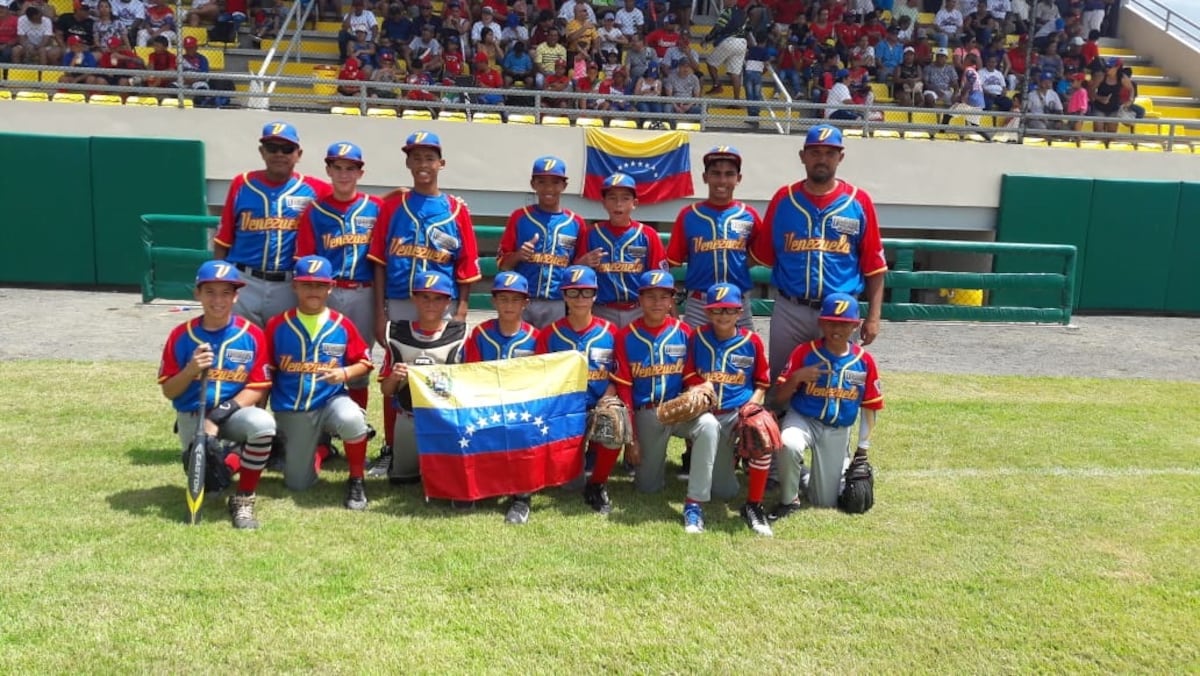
(740, 226)
(856, 377)
(522, 353)
(444, 241)
(296, 203)
(239, 356)
(424, 360)
(566, 241)
(846, 226)
(333, 349)
(637, 251)
(600, 355)
(364, 222)
(675, 350)
(741, 361)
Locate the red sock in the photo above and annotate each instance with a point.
(605, 459)
(356, 457)
(319, 457)
(389, 422)
(758, 483)
(234, 462)
(361, 397)
(248, 480)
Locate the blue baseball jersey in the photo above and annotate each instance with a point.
(487, 343)
(298, 358)
(821, 244)
(418, 232)
(260, 218)
(596, 342)
(340, 232)
(735, 366)
(630, 252)
(239, 361)
(557, 233)
(852, 382)
(714, 243)
(652, 362)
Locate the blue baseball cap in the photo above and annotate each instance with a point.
(579, 277)
(219, 271)
(723, 153)
(722, 295)
(656, 279)
(549, 165)
(432, 281)
(423, 139)
(279, 131)
(313, 269)
(824, 135)
(343, 150)
(510, 281)
(842, 73)
(619, 180)
(839, 307)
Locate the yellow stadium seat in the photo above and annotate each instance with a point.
(144, 53)
(1181, 147)
(33, 97)
(589, 122)
(886, 134)
(895, 116)
(141, 101)
(1145, 102)
(416, 114)
(453, 116)
(68, 97)
(216, 58)
(487, 118)
(381, 112)
(1120, 145)
(105, 99)
(1091, 145)
(917, 135)
(623, 124)
(926, 18)
(23, 75)
(853, 133)
(975, 138)
(1034, 141)
(687, 126)
(521, 118)
(555, 121)
(5, 95)
(198, 32)
(174, 103)
(63, 7)
(1063, 144)
(346, 110)
(882, 92)
(943, 136)
(927, 119)
(52, 75)
(1150, 147)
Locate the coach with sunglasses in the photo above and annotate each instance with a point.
(258, 224)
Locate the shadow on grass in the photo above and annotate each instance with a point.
(166, 502)
(153, 456)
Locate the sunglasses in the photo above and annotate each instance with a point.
(279, 148)
(725, 311)
(579, 293)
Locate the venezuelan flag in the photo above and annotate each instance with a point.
(661, 165)
(499, 427)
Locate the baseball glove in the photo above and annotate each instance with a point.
(610, 425)
(687, 406)
(756, 433)
(217, 476)
(858, 495)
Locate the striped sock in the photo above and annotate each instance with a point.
(254, 459)
(759, 470)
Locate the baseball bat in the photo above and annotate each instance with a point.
(198, 459)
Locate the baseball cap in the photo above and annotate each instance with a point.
(1079, 77)
(722, 295)
(670, 19)
(619, 180)
(656, 279)
(578, 277)
(941, 51)
(480, 56)
(488, 10)
(280, 131)
(1113, 62)
(510, 281)
(343, 150)
(432, 281)
(218, 271)
(723, 153)
(314, 269)
(114, 42)
(190, 41)
(423, 139)
(824, 135)
(840, 307)
(73, 40)
(910, 50)
(841, 74)
(1077, 41)
(549, 165)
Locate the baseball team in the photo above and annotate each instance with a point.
(308, 275)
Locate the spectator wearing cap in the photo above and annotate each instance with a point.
(611, 87)
(425, 18)
(36, 41)
(1073, 60)
(513, 32)
(487, 20)
(78, 23)
(195, 71)
(681, 88)
(488, 78)
(889, 53)
(908, 85)
(78, 56)
(161, 59)
(387, 75)
(611, 38)
(425, 49)
(970, 93)
(630, 19)
(1077, 101)
(547, 56)
(650, 85)
(940, 79)
(160, 21)
(994, 86)
(559, 80)
(948, 22)
(351, 72)
(664, 38)
(517, 67)
(683, 51)
(117, 56)
(8, 33)
(839, 95)
(1109, 91)
(1044, 101)
(357, 19)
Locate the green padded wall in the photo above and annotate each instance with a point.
(169, 179)
(1041, 210)
(1183, 285)
(47, 215)
(1126, 265)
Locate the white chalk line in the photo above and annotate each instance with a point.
(1072, 472)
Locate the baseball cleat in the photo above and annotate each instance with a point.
(693, 518)
(241, 511)
(754, 516)
(596, 496)
(783, 511)
(518, 512)
(379, 466)
(685, 466)
(356, 494)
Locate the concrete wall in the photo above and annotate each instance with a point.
(1147, 37)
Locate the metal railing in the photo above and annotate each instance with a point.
(1170, 20)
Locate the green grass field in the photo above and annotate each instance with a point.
(1021, 525)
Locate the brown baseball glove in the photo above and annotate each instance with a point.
(756, 433)
(687, 406)
(610, 425)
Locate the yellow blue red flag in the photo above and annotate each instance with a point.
(661, 165)
(499, 427)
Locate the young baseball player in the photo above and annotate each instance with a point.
(420, 230)
(428, 339)
(505, 337)
(223, 358)
(258, 224)
(539, 241)
(825, 383)
(733, 360)
(596, 339)
(651, 359)
(620, 249)
(314, 352)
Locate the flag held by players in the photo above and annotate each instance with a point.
(500, 427)
(661, 165)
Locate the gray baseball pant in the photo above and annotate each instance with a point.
(830, 456)
(259, 300)
(341, 417)
(712, 474)
(651, 475)
(542, 312)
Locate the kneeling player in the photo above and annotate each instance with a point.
(825, 382)
(222, 357)
(315, 351)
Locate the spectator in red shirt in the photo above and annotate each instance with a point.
(8, 33)
(162, 59)
(559, 81)
(873, 28)
(1091, 49)
(664, 38)
(785, 13)
(115, 56)
(488, 77)
(822, 28)
(353, 72)
(615, 85)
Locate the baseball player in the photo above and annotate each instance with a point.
(733, 360)
(825, 383)
(620, 249)
(651, 359)
(420, 230)
(258, 224)
(228, 356)
(824, 238)
(539, 241)
(596, 339)
(314, 352)
(428, 339)
(505, 337)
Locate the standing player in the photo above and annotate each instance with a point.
(258, 224)
(225, 356)
(620, 249)
(315, 351)
(505, 337)
(733, 360)
(539, 241)
(824, 239)
(596, 339)
(825, 383)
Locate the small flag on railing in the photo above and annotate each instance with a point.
(661, 165)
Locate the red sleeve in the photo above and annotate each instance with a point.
(543, 342)
(226, 232)
(795, 361)
(268, 338)
(758, 231)
(677, 245)
(620, 373)
(871, 259)
(508, 239)
(306, 241)
(169, 366)
(471, 346)
(584, 230)
(690, 377)
(357, 351)
(873, 393)
(322, 188)
(762, 250)
(656, 256)
(466, 268)
(260, 370)
(377, 252)
(762, 368)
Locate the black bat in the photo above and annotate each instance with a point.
(197, 459)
